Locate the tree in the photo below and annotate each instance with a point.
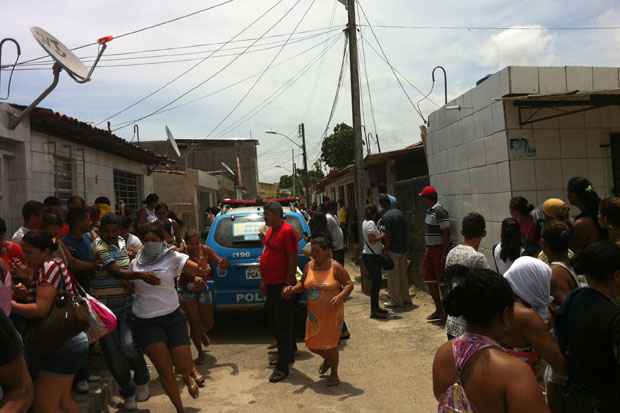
(337, 149)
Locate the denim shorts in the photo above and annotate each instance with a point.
(170, 329)
(72, 356)
(203, 296)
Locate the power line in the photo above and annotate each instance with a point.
(496, 28)
(275, 57)
(372, 108)
(162, 62)
(337, 94)
(249, 77)
(229, 86)
(152, 26)
(400, 83)
(274, 96)
(191, 68)
(187, 92)
(108, 57)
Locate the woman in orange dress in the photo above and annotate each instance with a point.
(327, 284)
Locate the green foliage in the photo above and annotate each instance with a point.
(337, 149)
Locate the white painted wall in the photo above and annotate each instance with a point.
(469, 150)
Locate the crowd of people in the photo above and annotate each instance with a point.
(535, 328)
(146, 271)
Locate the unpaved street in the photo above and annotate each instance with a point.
(385, 367)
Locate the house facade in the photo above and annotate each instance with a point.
(49, 154)
(524, 131)
(208, 154)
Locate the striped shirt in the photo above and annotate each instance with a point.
(105, 284)
(436, 220)
(52, 272)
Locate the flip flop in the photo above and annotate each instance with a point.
(192, 388)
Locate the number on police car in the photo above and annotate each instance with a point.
(241, 254)
(252, 273)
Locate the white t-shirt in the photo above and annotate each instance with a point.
(500, 265)
(335, 232)
(150, 215)
(158, 300)
(133, 242)
(369, 227)
(19, 234)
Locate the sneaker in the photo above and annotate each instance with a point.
(143, 393)
(379, 316)
(130, 403)
(82, 386)
(391, 305)
(277, 376)
(93, 378)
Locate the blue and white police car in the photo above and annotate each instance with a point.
(236, 235)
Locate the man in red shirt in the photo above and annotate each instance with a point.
(278, 265)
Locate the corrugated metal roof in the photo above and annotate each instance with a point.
(73, 130)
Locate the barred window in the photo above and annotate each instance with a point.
(63, 177)
(128, 189)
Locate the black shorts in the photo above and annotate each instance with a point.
(170, 329)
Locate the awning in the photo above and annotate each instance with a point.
(562, 104)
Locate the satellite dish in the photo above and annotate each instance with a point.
(228, 169)
(60, 53)
(63, 59)
(173, 142)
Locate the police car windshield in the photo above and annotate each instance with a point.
(244, 231)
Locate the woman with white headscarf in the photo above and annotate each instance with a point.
(529, 337)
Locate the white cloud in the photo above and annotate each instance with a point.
(519, 47)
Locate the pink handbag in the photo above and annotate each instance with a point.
(102, 319)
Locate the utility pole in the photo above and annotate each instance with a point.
(302, 133)
(357, 115)
(294, 172)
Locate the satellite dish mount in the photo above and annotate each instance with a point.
(65, 59)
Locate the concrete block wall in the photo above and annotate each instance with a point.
(468, 155)
(480, 156)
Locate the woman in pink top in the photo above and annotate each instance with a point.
(473, 374)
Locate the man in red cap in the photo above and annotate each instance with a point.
(437, 240)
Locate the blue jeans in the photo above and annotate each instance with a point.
(120, 352)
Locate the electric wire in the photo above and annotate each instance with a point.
(192, 67)
(400, 83)
(200, 84)
(157, 63)
(337, 94)
(247, 78)
(370, 101)
(152, 26)
(274, 96)
(109, 58)
(497, 28)
(260, 77)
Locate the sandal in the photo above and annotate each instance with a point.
(199, 379)
(192, 388)
(324, 368)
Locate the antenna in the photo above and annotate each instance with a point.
(173, 142)
(19, 53)
(64, 59)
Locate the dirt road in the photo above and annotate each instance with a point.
(385, 367)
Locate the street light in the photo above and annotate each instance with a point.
(302, 146)
(272, 132)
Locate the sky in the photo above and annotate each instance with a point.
(239, 98)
